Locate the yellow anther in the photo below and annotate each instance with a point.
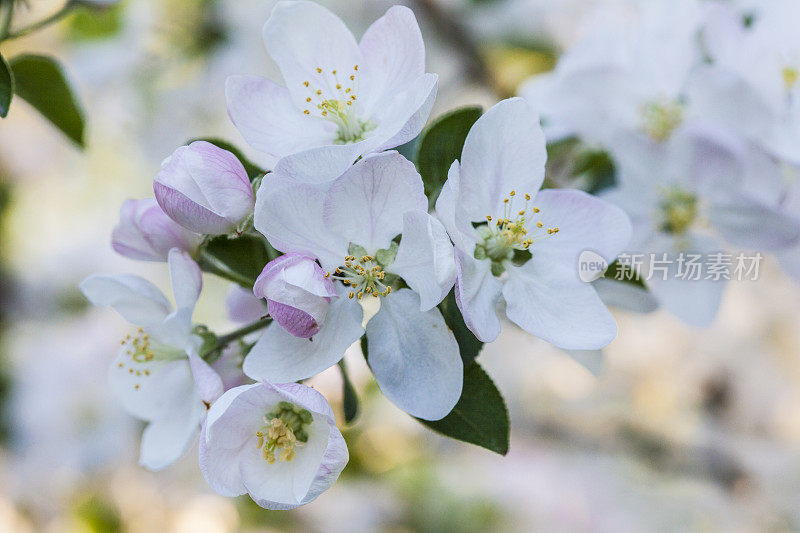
(307, 112)
(527, 196)
(351, 295)
(506, 200)
(522, 212)
(319, 92)
(489, 218)
(319, 70)
(355, 67)
(539, 225)
(512, 193)
(338, 86)
(308, 99)
(306, 84)
(536, 209)
(334, 72)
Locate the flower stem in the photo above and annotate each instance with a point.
(5, 21)
(225, 340)
(212, 265)
(55, 17)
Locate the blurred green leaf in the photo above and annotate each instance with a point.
(480, 417)
(91, 23)
(468, 344)
(251, 168)
(440, 144)
(596, 168)
(40, 81)
(350, 397)
(241, 259)
(6, 87)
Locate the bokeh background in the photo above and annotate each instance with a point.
(681, 430)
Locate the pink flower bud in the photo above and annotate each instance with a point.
(205, 189)
(146, 233)
(298, 293)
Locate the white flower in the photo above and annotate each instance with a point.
(691, 195)
(342, 99)
(349, 228)
(753, 85)
(624, 79)
(158, 374)
(278, 443)
(521, 246)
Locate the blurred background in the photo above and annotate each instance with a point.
(681, 430)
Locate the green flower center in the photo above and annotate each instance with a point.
(661, 118)
(790, 77)
(679, 211)
(507, 238)
(284, 429)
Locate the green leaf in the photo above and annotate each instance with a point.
(90, 23)
(40, 81)
(6, 87)
(480, 417)
(253, 170)
(241, 259)
(441, 144)
(468, 344)
(350, 397)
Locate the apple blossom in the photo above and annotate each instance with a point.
(342, 99)
(350, 229)
(157, 373)
(243, 306)
(298, 293)
(146, 233)
(690, 196)
(205, 189)
(278, 443)
(524, 247)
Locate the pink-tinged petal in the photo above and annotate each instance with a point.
(146, 233)
(548, 300)
(309, 43)
(425, 258)
(281, 357)
(504, 151)
(265, 115)
(136, 299)
(366, 205)
(477, 294)
(291, 218)
(223, 180)
(190, 214)
(243, 306)
(584, 223)
(394, 56)
(415, 357)
(295, 321)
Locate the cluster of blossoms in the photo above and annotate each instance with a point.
(698, 104)
(347, 219)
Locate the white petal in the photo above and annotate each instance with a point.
(626, 296)
(404, 119)
(394, 57)
(136, 299)
(477, 295)
(152, 390)
(206, 380)
(790, 261)
(745, 222)
(548, 300)
(504, 151)
(323, 163)
(243, 306)
(165, 440)
(415, 357)
(447, 211)
(280, 357)
(367, 203)
(304, 36)
(292, 219)
(186, 278)
(265, 115)
(425, 258)
(694, 302)
(584, 222)
(220, 468)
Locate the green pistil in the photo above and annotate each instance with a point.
(679, 210)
